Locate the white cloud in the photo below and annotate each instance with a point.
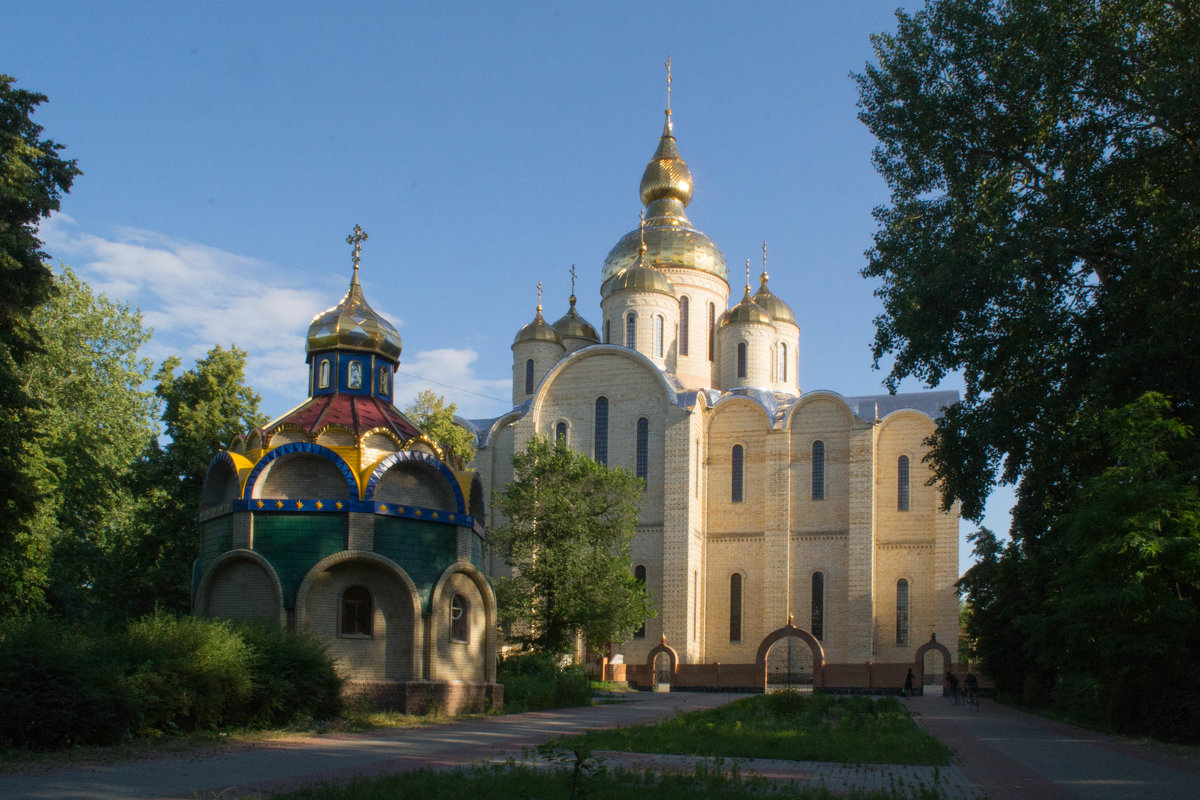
(183, 291)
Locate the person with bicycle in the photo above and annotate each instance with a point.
(971, 689)
(952, 687)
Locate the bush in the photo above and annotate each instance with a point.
(293, 677)
(535, 682)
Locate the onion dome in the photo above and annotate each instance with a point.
(353, 325)
(640, 277)
(671, 241)
(538, 330)
(779, 310)
(573, 326)
(747, 310)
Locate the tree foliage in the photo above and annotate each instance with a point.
(33, 178)
(429, 412)
(570, 524)
(1043, 241)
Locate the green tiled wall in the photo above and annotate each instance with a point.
(423, 549)
(477, 551)
(294, 543)
(216, 537)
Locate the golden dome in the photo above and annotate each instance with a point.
(353, 325)
(573, 326)
(746, 311)
(639, 278)
(671, 241)
(538, 331)
(779, 310)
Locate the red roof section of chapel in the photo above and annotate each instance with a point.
(358, 413)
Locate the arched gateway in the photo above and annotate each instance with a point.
(818, 652)
(918, 667)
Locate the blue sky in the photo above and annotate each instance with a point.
(228, 149)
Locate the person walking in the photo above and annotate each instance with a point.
(908, 683)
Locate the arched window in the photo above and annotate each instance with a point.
(683, 325)
(560, 433)
(639, 574)
(600, 449)
(460, 626)
(741, 360)
(642, 467)
(658, 335)
(902, 612)
(631, 331)
(818, 470)
(383, 380)
(712, 330)
(608, 331)
(818, 605)
(902, 484)
(323, 374)
(357, 612)
(735, 607)
(735, 479)
(529, 376)
(354, 375)
(783, 361)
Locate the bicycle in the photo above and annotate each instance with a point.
(973, 699)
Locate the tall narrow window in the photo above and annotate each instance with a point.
(735, 607)
(782, 361)
(601, 437)
(631, 331)
(608, 331)
(902, 612)
(357, 612)
(642, 467)
(639, 575)
(529, 376)
(460, 629)
(735, 479)
(902, 484)
(712, 331)
(683, 325)
(818, 605)
(741, 360)
(560, 433)
(354, 375)
(323, 374)
(658, 335)
(383, 380)
(818, 470)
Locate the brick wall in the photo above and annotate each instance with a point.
(425, 697)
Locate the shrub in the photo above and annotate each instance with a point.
(293, 677)
(535, 682)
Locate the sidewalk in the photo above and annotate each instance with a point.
(1009, 754)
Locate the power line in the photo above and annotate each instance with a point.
(450, 386)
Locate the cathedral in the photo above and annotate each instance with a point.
(772, 517)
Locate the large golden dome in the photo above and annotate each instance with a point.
(671, 241)
(353, 325)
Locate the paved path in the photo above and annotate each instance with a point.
(1001, 754)
(1008, 754)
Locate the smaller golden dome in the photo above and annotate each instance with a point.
(353, 325)
(746, 311)
(779, 310)
(640, 279)
(573, 326)
(538, 331)
(667, 175)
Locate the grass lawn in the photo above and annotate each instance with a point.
(784, 725)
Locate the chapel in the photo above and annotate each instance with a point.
(780, 529)
(343, 519)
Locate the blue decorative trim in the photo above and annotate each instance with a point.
(301, 447)
(423, 458)
(307, 505)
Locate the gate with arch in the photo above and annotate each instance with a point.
(665, 674)
(918, 668)
(791, 631)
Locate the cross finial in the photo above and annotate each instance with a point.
(356, 239)
(764, 272)
(572, 280)
(747, 275)
(642, 235)
(668, 86)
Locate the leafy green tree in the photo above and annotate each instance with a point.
(430, 413)
(570, 524)
(94, 421)
(33, 178)
(204, 408)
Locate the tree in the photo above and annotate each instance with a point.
(430, 413)
(570, 524)
(32, 179)
(1043, 240)
(204, 409)
(94, 421)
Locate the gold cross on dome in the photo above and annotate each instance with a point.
(668, 84)
(539, 297)
(764, 261)
(357, 238)
(572, 279)
(747, 274)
